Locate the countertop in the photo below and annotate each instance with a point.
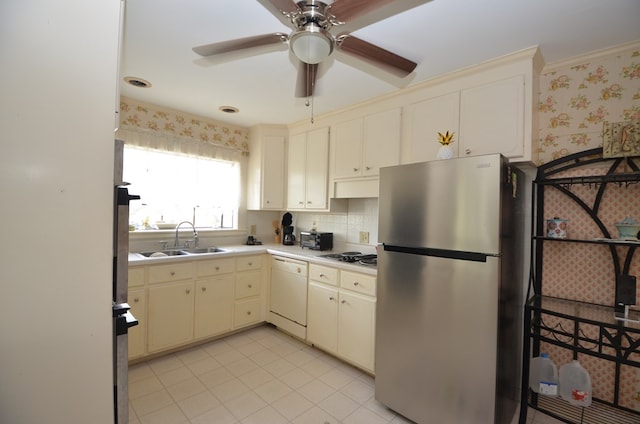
(292, 252)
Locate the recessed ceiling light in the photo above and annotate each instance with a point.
(229, 109)
(138, 82)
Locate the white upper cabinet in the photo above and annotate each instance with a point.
(363, 145)
(492, 118)
(425, 120)
(266, 168)
(308, 165)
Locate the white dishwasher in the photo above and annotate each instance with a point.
(288, 297)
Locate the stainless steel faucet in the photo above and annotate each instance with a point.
(176, 243)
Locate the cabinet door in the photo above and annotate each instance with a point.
(492, 118)
(381, 141)
(214, 305)
(273, 177)
(356, 326)
(426, 120)
(317, 161)
(347, 148)
(322, 316)
(137, 334)
(296, 171)
(170, 315)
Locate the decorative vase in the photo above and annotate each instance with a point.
(445, 152)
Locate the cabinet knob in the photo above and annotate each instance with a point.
(249, 285)
(332, 298)
(299, 270)
(321, 275)
(368, 168)
(301, 202)
(250, 263)
(172, 273)
(355, 283)
(467, 151)
(343, 301)
(217, 268)
(204, 289)
(308, 202)
(187, 291)
(355, 169)
(248, 312)
(136, 300)
(268, 202)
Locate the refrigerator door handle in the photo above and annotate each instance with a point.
(124, 319)
(439, 253)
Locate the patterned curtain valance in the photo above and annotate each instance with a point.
(151, 126)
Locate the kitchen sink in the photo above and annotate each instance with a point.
(199, 250)
(162, 253)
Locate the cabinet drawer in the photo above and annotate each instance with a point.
(323, 274)
(246, 312)
(170, 272)
(361, 283)
(136, 276)
(248, 284)
(215, 266)
(247, 263)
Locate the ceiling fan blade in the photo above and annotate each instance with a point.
(348, 10)
(281, 9)
(306, 83)
(377, 55)
(241, 44)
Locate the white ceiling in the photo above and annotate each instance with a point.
(440, 35)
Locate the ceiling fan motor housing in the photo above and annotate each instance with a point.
(311, 42)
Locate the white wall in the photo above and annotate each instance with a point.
(56, 170)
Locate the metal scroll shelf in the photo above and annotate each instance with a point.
(580, 327)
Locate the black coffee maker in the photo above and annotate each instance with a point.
(288, 238)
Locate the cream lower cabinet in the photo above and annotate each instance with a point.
(248, 290)
(341, 314)
(213, 306)
(170, 315)
(137, 335)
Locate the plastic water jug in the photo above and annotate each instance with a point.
(543, 375)
(575, 384)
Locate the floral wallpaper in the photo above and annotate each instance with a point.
(576, 100)
(154, 119)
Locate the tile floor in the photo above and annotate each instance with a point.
(258, 376)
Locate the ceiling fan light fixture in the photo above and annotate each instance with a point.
(312, 44)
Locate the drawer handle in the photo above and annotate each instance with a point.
(172, 273)
(250, 263)
(321, 275)
(299, 270)
(136, 300)
(217, 268)
(332, 298)
(367, 168)
(355, 169)
(249, 285)
(204, 289)
(467, 151)
(355, 283)
(187, 291)
(343, 301)
(248, 312)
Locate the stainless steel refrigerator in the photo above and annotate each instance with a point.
(122, 317)
(449, 301)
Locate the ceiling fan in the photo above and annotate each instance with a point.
(312, 41)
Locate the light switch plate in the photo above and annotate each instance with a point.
(364, 237)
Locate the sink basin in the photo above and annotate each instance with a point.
(199, 250)
(163, 253)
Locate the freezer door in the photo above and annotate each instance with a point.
(436, 337)
(448, 204)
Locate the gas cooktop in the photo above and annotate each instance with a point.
(358, 257)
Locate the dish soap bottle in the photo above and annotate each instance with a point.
(543, 375)
(575, 384)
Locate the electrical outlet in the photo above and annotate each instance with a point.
(364, 237)
(252, 229)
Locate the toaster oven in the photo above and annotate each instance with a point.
(316, 241)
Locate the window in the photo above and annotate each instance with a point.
(176, 187)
